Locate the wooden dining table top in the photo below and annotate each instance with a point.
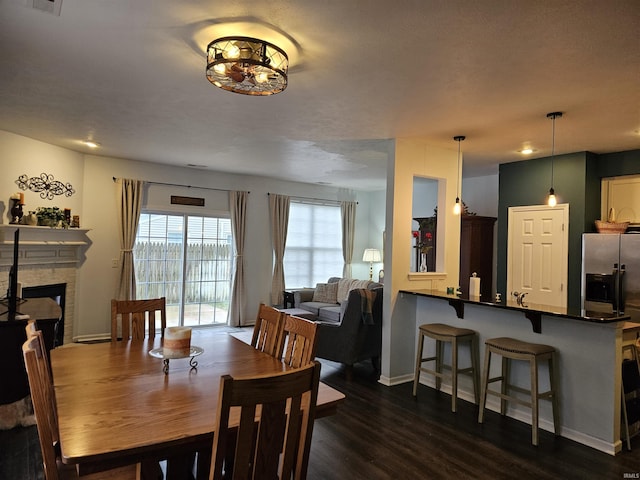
(116, 406)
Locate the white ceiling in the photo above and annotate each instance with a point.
(130, 74)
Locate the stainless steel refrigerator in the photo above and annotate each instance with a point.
(611, 273)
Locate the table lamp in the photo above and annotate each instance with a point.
(371, 255)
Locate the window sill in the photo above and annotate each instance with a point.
(418, 276)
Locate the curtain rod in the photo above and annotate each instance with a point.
(185, 186)
(311, 198)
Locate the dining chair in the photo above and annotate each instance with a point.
(267, 330)
(298, 341)
(46, 377)
(134, 315)
(43, 399)
(270, 441)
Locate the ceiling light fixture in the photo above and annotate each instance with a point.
(247, 65)
(91, 144)
(551, 201)
(526, 151)
(457, 207)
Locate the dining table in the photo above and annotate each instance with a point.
(117, 404)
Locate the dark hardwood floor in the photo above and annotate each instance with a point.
(20, 457)
(383, 433)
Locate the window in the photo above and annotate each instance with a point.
(314, 244)
(187, 259)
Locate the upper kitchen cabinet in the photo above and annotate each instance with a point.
(621, 196)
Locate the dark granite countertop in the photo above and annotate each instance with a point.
(533, 311)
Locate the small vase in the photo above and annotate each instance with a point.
(31, 219)
(423, 262)
(16, 212)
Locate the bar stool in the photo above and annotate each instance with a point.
(630, 388)
(512, 349)
(442, 333)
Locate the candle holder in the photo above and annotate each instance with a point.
(16, 211)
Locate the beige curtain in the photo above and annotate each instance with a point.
(348, 213)
(238, 204)
(279, 216)
(129, 198)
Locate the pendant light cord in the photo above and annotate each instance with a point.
(553, 116)
(458, 189)
(458, 138)
(553, 144)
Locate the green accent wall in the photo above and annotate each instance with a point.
(619, 163)
(577, 181)
(528, 183)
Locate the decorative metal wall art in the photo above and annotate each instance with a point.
(45, 185)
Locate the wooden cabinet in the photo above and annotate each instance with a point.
(622, 194)
(476, 253)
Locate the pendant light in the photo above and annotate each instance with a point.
(551, 201)
(457, 207)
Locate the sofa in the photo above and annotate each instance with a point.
(349, 317)
(328, 302)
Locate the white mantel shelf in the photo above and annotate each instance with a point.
(43, 245)
(42, 234)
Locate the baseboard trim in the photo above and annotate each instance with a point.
(92, 338)
(391, 381)
(524, 415)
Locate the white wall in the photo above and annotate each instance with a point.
(370, 218)
(480, 194)
(92, 177)
(414, 157)
(24, 156)
(94, 201)
(101, 279)
(411, 158)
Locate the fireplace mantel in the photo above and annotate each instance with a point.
(44, 245)
(46, 256)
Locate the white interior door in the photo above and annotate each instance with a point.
(537, 253)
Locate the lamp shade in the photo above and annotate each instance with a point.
(371, 255)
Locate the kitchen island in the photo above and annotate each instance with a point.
(589, 349)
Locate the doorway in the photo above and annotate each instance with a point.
(537, 253)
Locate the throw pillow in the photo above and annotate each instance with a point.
(326, 293)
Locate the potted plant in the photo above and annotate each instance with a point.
(50, 217)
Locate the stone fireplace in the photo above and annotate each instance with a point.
(48, 257)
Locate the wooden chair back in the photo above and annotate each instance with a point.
(135, 315)
(44, 407)
(273, 437)
(31, 330)
(298, 341)
(267, 330)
